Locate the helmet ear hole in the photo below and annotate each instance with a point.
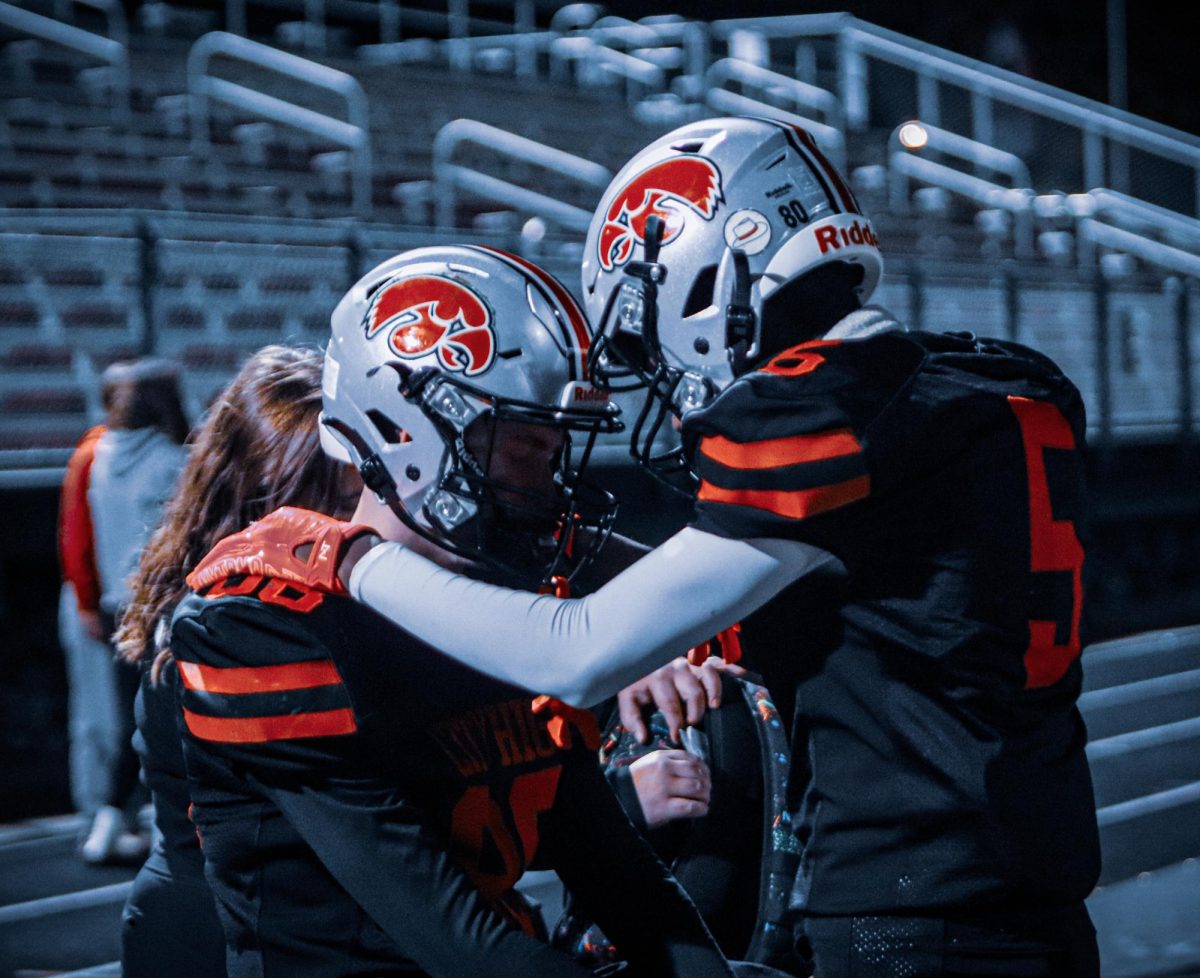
(809, 305)
(392, 433)
(700, 296)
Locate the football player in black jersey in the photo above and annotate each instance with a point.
(894, 516)
(257, 450)
(366, 805)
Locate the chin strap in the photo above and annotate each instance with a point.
(651, 275)
(740, 321)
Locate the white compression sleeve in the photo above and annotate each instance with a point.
(584, 649)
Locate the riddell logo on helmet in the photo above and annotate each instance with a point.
(830, 237)
(427, 314)
(589, 395)
(666, 190)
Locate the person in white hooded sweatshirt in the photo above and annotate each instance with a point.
(137, 460)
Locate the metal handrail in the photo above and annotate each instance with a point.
(114, 16)
(1138, 213)
(802, 94)
(582, 48)
(731, 103)
(526, 46)
(450, 177)
(828, 133)
(1091, 232)
(981, 155)
(903, 165)
(689, 35)
(456, 20)
(353, 134)
(858, 40)
(115, 53)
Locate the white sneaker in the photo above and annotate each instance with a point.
(102, 837)
(131, 847)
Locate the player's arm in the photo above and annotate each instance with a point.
(584, 650)
(399, 872)
(621, 884)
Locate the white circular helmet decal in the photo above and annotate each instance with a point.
(747, 230)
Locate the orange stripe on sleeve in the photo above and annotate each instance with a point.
(794, 504)
(258, 679)
(259, 730)
(776, 452)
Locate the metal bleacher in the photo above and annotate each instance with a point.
(1142, 707)
(1141, 702)
(83, 161)
(121, 233)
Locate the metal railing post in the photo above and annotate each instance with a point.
(1177, 289)
(982, 119)
(389, 22)
(450, 177)
(353, 134)
(107, 49)
(1101, 362)
(1012, 302)
(852, 83)
(928, 106)
(314, 25)
(147, 283)
(235, 16)
(458, 16)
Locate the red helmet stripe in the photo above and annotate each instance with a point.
(835, 179)
(575, 317)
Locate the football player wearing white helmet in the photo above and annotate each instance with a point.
(366, 804)
(894, 516)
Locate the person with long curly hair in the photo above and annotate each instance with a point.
(257, 450)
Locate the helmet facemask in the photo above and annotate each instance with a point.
(627, 355)
(443, 363)
(521, 534)
(750, 206)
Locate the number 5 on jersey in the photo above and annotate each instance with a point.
(1053, 544)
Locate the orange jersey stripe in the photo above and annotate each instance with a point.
(794, 504)
(773, 453)
(260, 730)
(258, 679)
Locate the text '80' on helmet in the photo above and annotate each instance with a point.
(436, 340)
(735, 209)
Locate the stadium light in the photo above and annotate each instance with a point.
(913, 136)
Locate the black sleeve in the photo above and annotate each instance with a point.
(786, 451)
(620, 780)
(304, 748)
(719, 861)
(773, 468)
(398, 870)
(621, 884)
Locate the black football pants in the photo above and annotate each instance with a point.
(1051, 943)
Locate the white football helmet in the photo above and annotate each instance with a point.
(436, 339)
(735, 209)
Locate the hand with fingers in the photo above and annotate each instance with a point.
(681, 691)
(671, 784)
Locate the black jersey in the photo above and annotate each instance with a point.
(938, 756)
(366, 805)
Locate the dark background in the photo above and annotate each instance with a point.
(1145, 525)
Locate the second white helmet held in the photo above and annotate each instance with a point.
(435, 339)
(729, 192)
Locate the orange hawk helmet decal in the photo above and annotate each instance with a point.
(666, 190)
(431, 314)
